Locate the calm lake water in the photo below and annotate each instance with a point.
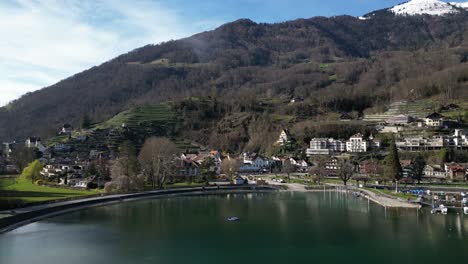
(274, 228)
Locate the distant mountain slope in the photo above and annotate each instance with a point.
(428, 7)
(339, 63)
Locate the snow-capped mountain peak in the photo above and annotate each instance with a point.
(426, 7)
(460, 5)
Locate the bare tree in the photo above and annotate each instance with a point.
(230, 167)
(319, 171)
(288, 168)
(157, 159)
(125, 171)
(346, 171)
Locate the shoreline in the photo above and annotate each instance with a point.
(384, 201)
(28, 215)
(388, 202)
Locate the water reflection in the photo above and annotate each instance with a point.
(274, 227)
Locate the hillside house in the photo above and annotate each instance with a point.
(435, 172)
(459, 139)
(35, 142)
(66, 129)
(50, 171)
(254, 164)
(202, 156)
(434, 120)
(407, 168)
(345, 117)
(456, 171)
(188, 168)
(12, 169)
(239, 181)
(302, 166)
(7, 149)
(332, 167)
(62, 147)
(283, 139)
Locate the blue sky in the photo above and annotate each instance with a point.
(44, 41)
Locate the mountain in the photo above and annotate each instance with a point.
(337, 64)
(460, 5)
(426, 7)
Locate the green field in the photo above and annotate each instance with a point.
(184, 185)
(24, 192)
(142, 116)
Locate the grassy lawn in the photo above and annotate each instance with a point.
(333, 181)
(281, 118)
(25, 192)
(293, 180)
(185, 185)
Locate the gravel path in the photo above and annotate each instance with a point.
(388, 202)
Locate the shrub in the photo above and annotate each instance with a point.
(39, 182)
(92, 185)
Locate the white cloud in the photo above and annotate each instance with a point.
(44, 41)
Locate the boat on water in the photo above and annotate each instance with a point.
(440, 210)
(233, 219)
(465, 210)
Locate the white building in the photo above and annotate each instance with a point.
(51, 171)
(35, 142)
(357, 144)
(458, 140)
(434, 120)
(257, 164)
(67, 129)
(324, 146)
(435, 171)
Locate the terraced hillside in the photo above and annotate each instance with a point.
(135, 124)
(143, 119)
(417, 109)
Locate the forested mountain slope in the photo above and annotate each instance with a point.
(337, 64)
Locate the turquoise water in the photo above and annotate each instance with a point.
(274, 228)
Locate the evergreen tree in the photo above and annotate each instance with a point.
(92, 169)
(86, 122)
(128, 159)
(208, 169)
(393, 168)
(419, 163)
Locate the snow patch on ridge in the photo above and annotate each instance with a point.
(425, 7)
(460, 5)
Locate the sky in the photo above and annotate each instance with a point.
(45, 41)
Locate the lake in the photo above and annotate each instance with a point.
(274, 228)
